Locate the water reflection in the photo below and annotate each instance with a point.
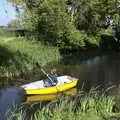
(50, 97)
(103, 70)
(37, 102)
(9, 98)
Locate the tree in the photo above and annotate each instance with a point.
(91, 15)
(16, 1)
(14, 23)
(68, 22)
(49, 21)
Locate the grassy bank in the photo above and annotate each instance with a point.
(18, 57)
(91, 106)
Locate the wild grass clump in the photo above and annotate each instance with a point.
(86, 106)
(19, 57)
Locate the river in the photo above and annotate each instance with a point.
(99, 70)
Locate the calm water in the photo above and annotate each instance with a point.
(103, 70)
(9, 98)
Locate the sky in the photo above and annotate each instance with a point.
(7, 12)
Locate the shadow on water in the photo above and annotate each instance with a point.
(102, 70)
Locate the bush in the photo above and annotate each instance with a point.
(117, 31)
(52, 25)
(74, 40)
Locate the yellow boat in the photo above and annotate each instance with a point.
(39, 87)
(48, 97)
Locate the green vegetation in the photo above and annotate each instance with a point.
(71, 24)
(84, 107)
(18, 57)
(66, 25)
(4, 33)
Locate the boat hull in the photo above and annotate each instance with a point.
(49, 97)
(53, 89)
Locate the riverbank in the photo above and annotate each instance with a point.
(84, 106)
(18, 58)
(18, 63)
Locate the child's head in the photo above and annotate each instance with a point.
(54, 71)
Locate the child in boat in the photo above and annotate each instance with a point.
(52, 78)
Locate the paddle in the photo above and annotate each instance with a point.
(37, 64)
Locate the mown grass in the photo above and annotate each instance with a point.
(18, 56)
(86, 106)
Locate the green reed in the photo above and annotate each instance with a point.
(85, 106)
(18, 57)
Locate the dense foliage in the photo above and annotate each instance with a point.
(52, 24)
(69, 23)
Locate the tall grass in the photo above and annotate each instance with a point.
(91, 106)
(5, 32)
(18, 57)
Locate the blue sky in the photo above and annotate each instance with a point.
(7, 12)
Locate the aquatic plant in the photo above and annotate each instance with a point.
(85, 106)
